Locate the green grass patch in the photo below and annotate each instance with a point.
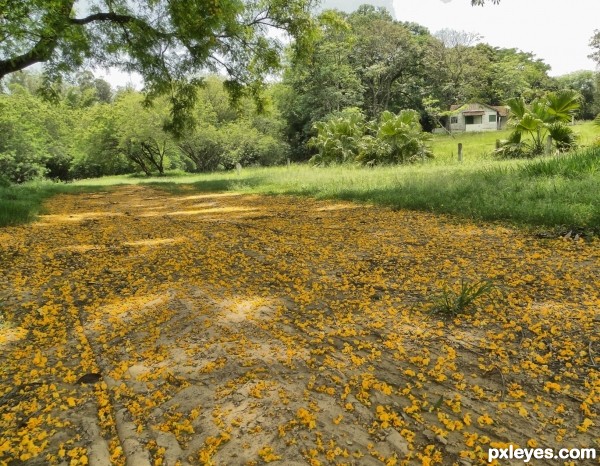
(476, 146)
(480, 146)
(22, 203)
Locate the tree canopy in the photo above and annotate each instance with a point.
(167, 42)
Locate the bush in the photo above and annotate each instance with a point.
(246, 145)
(338, 139)
(393, 139)
(543, 117)
(399, 139)
(19, 168)
(210, 148)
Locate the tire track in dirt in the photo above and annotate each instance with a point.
(237, 329)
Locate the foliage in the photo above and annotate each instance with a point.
(540, 119)
(227, 134)
(338, 138)
(595, 45)
(210, 148)
(453, 303)
(165, 41)
(89, 133)
(403, 134)
(368, 60)
(141, 133)
(587, 84)
(34, 138)
(323, 84)
(387, 58)
(204, 147)
(348, 138)
(96, 138)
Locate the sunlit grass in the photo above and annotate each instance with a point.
(480, 146)
(22, 203)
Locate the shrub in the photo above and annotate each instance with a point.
(393, 139)
(543, 117)
(19, 168)
(403, 136)
(338, 139)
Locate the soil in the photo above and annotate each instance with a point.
(140, 327)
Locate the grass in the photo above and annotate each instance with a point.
(479, 146)
(22, 203)
(453, 303)
(556, 192)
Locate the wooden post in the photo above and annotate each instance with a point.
(460, 151)
(548, 145)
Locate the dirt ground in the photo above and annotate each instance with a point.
(143, 328)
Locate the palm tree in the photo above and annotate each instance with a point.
(542, 118)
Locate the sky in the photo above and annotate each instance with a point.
(556, 31)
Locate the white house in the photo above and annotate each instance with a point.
(476, 117)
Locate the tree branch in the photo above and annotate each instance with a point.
(40, 52)
(113, 17)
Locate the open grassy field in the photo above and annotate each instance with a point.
(478, 146)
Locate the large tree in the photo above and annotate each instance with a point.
(388, 59)
(166, 41)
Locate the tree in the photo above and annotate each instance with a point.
(229, 132)
(457, 68)
(586, 84)
(540, 119)
(325, 82)
(141, 135)
(387, 57)
(166, 41)
(96, 142)
(595, 45)
(34, 137)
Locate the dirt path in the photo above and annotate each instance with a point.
(238, 330)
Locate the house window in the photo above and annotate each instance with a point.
(453, 120)
(492, 118)
(469, 120)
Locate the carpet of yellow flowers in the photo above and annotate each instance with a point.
(144, 328)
